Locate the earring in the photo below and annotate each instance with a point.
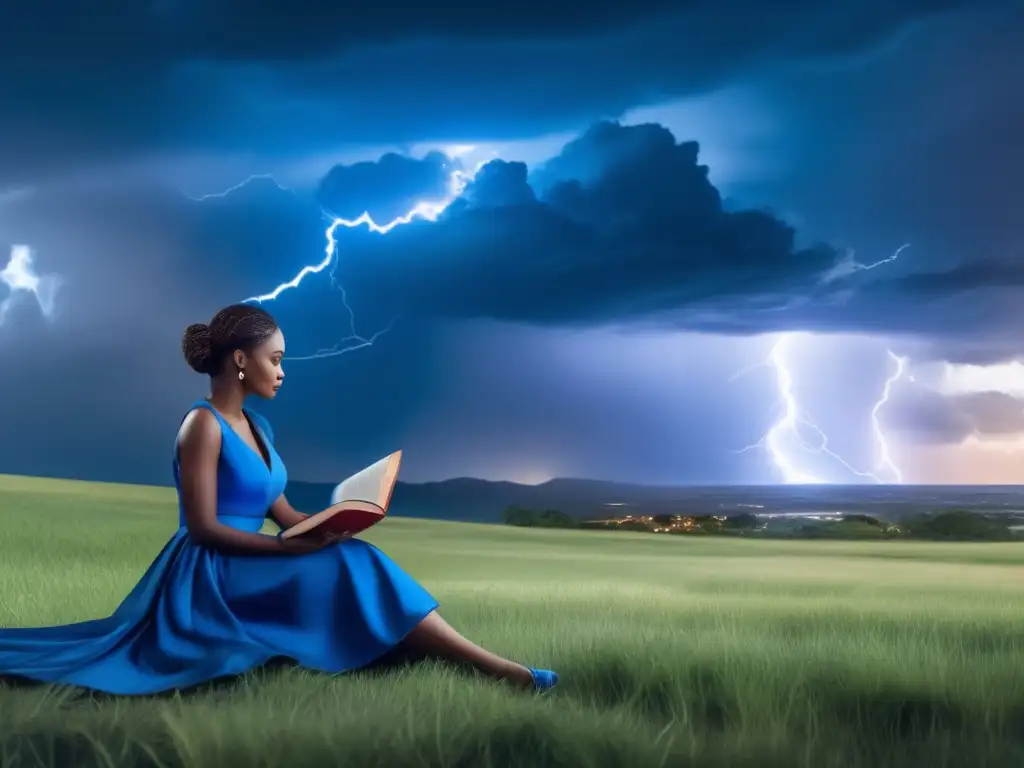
(241, 375)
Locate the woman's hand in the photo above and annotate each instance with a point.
(312, 542)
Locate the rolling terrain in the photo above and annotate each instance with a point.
(473, 500)
(697, 652)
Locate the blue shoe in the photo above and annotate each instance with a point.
(543, 679)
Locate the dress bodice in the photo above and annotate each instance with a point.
(246, 485)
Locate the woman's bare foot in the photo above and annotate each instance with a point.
(434, 636)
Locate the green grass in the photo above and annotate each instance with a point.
(673, 651)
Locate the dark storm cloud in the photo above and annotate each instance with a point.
(624, 226)
(931, 417)
(646, 234)
(964, 313)
(972, 276)
(919, 145)
(647, 231)
(78, 86)
(272, 31)
(386, 188)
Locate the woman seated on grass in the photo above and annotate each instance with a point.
(223, 598)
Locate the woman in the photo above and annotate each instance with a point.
(222, 598)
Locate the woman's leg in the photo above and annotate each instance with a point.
(436, 637)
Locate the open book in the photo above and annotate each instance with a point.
(356, 503)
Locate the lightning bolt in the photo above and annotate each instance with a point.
(884, 456)
(858, 267)
(236, 187)
(788, 431)
(848, 265)
(422, 211)
(426, 211)
(20, 277)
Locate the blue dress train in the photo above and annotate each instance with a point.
(197, 614)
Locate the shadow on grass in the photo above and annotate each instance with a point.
(64, 748)
(609, 712)
(900, 713)
(710, 698)
(694, 694)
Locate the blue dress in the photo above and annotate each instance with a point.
(197, 614)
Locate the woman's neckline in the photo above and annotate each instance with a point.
(263, 452)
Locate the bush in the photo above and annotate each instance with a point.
(520, 516)
(866, 519)
(746, 521)
(553, 518)
(959, 525)
(527, 518)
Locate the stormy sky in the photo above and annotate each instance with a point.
(684, 229)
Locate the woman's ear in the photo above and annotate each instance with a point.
(239, 357)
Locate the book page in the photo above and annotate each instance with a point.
(368, 484)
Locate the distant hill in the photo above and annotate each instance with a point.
(474, 500)
(471, 500)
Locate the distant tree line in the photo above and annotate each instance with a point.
(952, 525)
(528, 518)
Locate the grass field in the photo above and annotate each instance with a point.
(673, 651)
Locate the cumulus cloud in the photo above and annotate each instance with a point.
(637, 230)
(623, 227)
(385, 188)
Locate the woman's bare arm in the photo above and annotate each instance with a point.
(284, 514)
(198, 453)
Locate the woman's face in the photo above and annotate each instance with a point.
(263, 371)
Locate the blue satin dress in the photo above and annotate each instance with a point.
(197, 614)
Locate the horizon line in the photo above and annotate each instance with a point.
(569, 479)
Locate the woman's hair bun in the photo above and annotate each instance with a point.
(197, 346)
(239, 326)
